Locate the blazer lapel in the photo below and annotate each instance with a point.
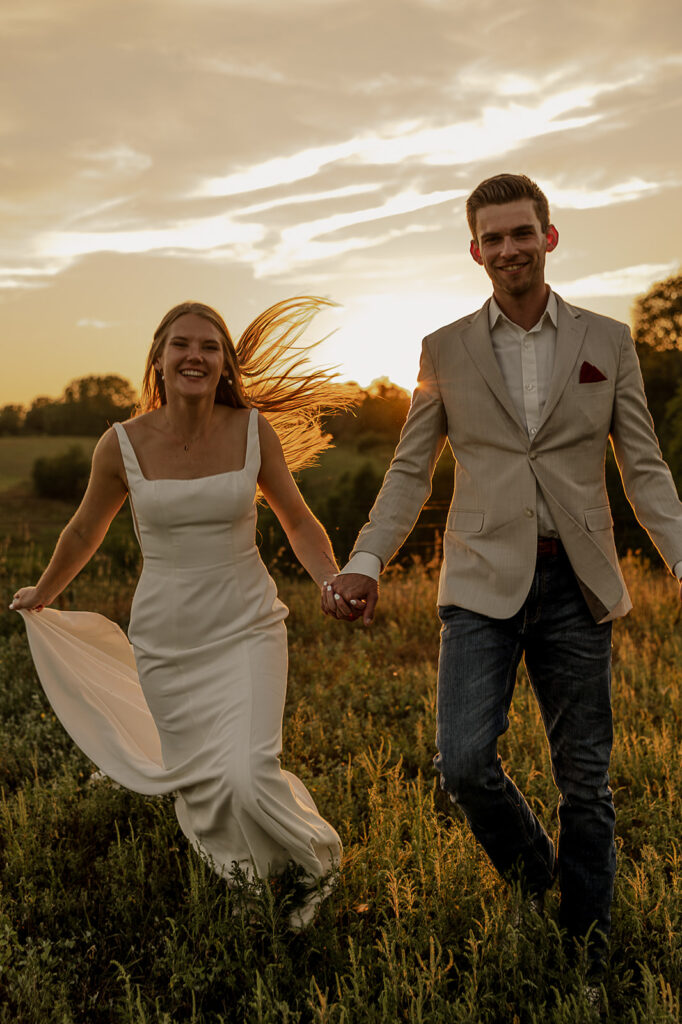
(570, 334)
(478, 343)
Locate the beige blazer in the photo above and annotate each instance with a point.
(489, 545)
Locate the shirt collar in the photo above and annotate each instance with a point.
(551, 311)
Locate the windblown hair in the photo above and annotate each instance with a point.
(506, 188)
(268, 369)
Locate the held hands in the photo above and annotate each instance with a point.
(27, 598)
(350, 595)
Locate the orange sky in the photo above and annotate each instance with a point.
(240, 152)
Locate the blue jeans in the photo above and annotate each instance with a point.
(568, 660)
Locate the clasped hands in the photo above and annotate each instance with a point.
(349, 596)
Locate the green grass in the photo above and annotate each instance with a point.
(17, 455)
(106, 916)
(346, 457)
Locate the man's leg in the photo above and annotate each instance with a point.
(568, 657)
(476, 675)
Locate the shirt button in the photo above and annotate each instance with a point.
(533, 430)
(529, 512)
(530, 387)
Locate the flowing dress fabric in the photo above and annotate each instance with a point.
(195, 705)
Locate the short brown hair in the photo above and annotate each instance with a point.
(506, 188)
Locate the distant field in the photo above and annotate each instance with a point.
(345, 458)
(17, 455)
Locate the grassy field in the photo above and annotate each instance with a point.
(106, 916)
(17, 455)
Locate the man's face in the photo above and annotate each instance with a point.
(511, 247)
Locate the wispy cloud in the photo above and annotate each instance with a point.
(309, 197)
(281, 170)
(316, 252)
(623, 282)
(260, 72)
(582, 197)
(498, 130)
(99, 325)
(24, 278)
(196, 235)
(113, 160)
(301, 242)
(242, 238)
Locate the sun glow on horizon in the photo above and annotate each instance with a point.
(380, 335)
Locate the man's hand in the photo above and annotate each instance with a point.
(354, 595)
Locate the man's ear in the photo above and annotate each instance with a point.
(476, 252)
(552, 238)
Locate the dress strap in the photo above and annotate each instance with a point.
(132, 466)
(252, 440)
(133, 471)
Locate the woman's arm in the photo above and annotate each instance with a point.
(305, 533)
(83, 534)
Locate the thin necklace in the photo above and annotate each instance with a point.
(186, 445)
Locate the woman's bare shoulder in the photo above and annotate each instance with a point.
(107, 457)
(266, 431)
(268, 439)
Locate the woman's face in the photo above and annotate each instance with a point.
(192, 358)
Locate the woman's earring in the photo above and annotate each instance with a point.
(228, 380)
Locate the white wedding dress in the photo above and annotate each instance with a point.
(195, 705)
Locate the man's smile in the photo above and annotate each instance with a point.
(511, 267)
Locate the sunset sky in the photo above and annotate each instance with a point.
(242, 151)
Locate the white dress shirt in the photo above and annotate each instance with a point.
(526, 361)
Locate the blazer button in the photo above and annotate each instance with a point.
(529, 512)
(532, 455)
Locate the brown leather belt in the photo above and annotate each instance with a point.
(549, 546)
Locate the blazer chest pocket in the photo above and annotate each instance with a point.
(464, 521)
(598, 518)
(591, 388)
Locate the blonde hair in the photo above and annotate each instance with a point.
(268, 369)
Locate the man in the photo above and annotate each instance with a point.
(527, 391)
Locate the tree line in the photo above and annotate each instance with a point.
(86, 408)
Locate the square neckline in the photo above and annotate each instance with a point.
(187, 479)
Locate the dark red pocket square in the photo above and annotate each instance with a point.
(589, 374)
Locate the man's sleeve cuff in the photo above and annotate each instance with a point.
(368, 564)
(677, 569)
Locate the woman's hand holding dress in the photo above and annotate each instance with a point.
(85, 531)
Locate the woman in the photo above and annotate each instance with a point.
(198, 709)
